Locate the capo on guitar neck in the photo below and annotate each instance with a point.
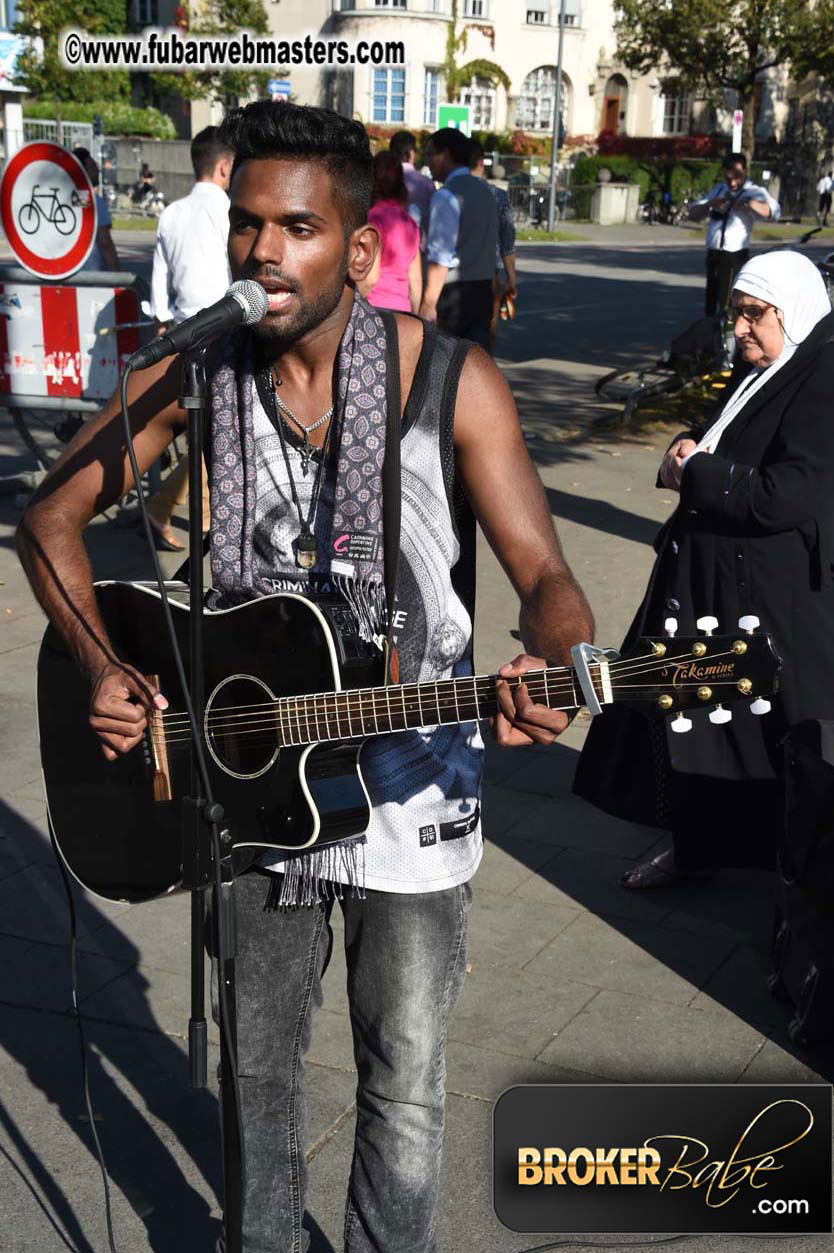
(583, 655)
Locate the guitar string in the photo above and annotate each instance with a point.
(265, 728)
(553, 675)
(537, 677)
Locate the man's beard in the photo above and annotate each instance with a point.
(310, 314)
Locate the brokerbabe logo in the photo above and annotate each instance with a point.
(660, 1157)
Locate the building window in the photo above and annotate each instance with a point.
(480, 96)
(389, 4)
(615, 105)
(430, 93)
(537, 17)
(474, 8)
(676, 111)
(389, 95)
(534, 107)
(147, 13)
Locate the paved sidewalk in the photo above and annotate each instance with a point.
(570, 978)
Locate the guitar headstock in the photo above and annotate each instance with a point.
(671, 673)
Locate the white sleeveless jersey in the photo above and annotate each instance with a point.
(424, 786)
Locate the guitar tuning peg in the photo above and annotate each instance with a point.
(748, 623)
(681, 724)
(670, 626)
(707, 625)
(720, 715)
(760, 706)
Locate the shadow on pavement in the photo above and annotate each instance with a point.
(714, 932)
(37, 1029)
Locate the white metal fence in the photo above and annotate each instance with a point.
(73, 134)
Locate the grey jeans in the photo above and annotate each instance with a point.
(406, 958)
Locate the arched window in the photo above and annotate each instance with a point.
(480, 96)
(534, 107)
(614, 105)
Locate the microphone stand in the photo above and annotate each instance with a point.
(199, 871)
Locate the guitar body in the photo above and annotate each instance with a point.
(118, 825)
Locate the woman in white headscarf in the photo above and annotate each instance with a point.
(753, 535)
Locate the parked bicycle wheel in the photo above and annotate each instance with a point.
(29, 218)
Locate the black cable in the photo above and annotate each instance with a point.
(85, 1076)
(215, 838)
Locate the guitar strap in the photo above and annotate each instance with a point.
(391, 485)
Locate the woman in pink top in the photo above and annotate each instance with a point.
(396, 280)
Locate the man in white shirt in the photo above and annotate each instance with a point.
(732, 206)
(191, 271)
(824, 187)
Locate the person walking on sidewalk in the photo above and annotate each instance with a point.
(300, 194)
(824, 188)
(463, 237)
(396, 280)
(504, 291)
(190, 272)
(420, 188)
(733, 207)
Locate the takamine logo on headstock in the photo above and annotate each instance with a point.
(662, 675)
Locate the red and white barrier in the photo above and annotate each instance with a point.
(65, 341)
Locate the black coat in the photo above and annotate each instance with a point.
(753, 534)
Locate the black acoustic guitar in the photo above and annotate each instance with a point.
(292, 693)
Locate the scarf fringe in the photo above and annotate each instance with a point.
(312, 879)
(366, 598)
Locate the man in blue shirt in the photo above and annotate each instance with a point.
(462, 241)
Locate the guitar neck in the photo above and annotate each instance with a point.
(363, 712)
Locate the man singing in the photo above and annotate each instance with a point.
(299, 409)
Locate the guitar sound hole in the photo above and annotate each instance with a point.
(242, 727)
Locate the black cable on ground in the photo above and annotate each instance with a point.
(202, 767)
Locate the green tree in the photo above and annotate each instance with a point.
(459, 76)
(40, 68)
(712, 46)
(220, 17)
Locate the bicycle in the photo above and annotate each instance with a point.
(61, 216)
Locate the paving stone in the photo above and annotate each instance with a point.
(33, 904)
(508, 863)
(575, 824)
(778, 1061)
(591, 880)
(740, 984)
(733, 905)
(625, 956)
(500, 808)
(152, 1000)
(38, 975)
(486, 1073)
(504, 932)
(20, 629)
(633, 1039)
(549, 773)
(531, 1010)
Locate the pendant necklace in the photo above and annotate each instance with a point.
(306, 548)
(307, 450)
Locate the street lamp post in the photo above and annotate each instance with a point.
(557, 109)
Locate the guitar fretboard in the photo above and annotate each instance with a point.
(363, 712)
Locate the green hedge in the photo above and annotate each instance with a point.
(119, 118)
(693, 178)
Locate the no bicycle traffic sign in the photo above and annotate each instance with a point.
(48, 210)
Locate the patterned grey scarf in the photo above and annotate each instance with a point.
(357, 553)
